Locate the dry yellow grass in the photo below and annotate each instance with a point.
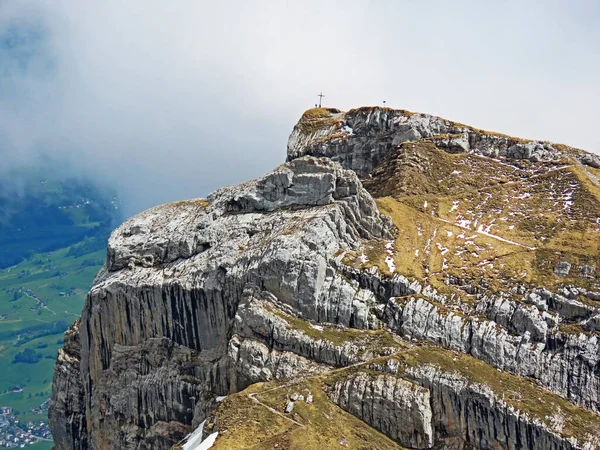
(247, 424)
(324, 425)
(478, 218)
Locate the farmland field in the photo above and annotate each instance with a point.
(52, 244)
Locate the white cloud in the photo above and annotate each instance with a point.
(173, 99)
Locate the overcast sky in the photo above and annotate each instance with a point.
(169, 100)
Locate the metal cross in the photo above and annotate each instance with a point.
(320, 98)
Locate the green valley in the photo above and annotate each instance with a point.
(52, 243)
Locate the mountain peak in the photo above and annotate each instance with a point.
(342, 135)
(397, 273)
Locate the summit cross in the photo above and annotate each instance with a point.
(320, 98)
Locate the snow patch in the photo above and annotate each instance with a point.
(390, 263)
(194, 440)
(220, 398)
(506, 240)
(441, 248)
(454, 205)
(363, 258)
(389, 259)
(208, 442)
(463, 223)
(316, 327)
(523, 196)
(483, 229)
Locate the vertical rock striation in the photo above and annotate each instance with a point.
(396, 407)
(156, 330)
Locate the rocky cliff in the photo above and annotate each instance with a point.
(402, 281)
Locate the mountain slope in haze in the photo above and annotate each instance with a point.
(41, 213)
(56, 231)
(402, 281)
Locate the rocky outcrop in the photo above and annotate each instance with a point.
(361, 138)
(591, 160)
(181, 230)
(156, 330)
(396, 407)
(429, 405)
(522, 338)
(565, 364)
(67, 405)
(255, 322)
(569, 309)
(472, 413)
(268, 280)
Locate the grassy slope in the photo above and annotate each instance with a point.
(46, 275)
(244, 423)
(55, 232)
(443, 202)
(252, 425)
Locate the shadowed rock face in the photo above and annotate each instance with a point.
(279, 278)
(68, 402)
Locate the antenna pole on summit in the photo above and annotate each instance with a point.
(320, 98)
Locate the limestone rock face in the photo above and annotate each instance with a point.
(439, 313)
(156, 330)
(473, 413)
(361, 138)
(181, 230)
(396, 407)
(517, 341)
(67, 406)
